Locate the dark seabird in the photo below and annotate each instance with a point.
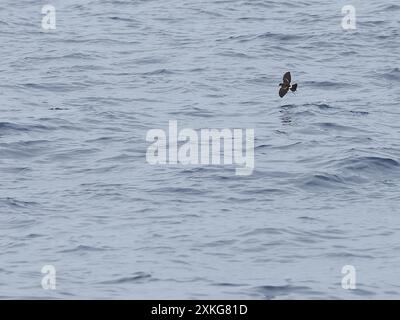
(285, 86)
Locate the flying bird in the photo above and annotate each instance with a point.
(285, 86)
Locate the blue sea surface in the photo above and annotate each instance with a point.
(77, 193)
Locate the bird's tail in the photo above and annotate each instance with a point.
(293, 87)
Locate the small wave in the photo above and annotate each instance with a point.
(265, 191)
(208, 12)
(228, 284)
(234, 54)
(137, 277)
(329, 181)
(9, 127)
(55, 87)
(304, 113)
(58, 109)
(122, 19)
(281, 37)
(393, 74)
(271, 292)
(259, 231)
(373, 23)
(375, 164)
(177, 190)
(359, 113)
(388, 7)
(158, 72)
(278, 36)
(83, 249)
(263, 146)
(362, 292)
(335, 127)
(194, 112)
(11, 202)
(326, 84)
(79, 56)
(321, 106)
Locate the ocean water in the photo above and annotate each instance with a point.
(77, 193)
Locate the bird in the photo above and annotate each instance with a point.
(285, 86)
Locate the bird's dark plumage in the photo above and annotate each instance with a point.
(282, 91)
(287, 78)
(285, 86)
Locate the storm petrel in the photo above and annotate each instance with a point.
(285, 86)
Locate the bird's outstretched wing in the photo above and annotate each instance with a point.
(283, 91)
(287, 78)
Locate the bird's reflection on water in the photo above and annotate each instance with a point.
(286, 114)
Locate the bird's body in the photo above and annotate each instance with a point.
(286, 86)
